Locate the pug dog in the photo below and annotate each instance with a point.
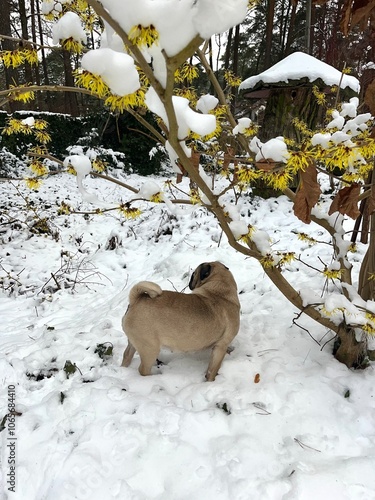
(209, 317)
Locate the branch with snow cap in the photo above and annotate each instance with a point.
(82, 166)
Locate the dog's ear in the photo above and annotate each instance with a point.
(205, 271)
(201, 273)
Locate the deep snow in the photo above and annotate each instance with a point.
(305, 430)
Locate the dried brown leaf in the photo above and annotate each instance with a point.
(308, 194)
(346, 201)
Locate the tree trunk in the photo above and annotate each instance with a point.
(71, 103)
(228, 49)
(269, 32)
(11, 74)
(348, 350)
(236, 45)
(25, 37)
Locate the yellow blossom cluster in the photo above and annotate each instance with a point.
(286, 258)
(72, 45)
(268, 261)
(37, 128)
(99, 165)
(187, 72)
(14, 58)
(231, 79)
(332, 273)
(319, 95)
(157, 198)
(38, 168)
(143, 36)
(279, 179)
(97, 86)
(299, 160)
(128, 211)
(20, 93)
(305, 237)
(33, 182)
(247, 175)
(64, 209)
(248, 236)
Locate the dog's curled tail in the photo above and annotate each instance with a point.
(144, 288)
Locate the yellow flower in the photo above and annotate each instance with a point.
(369, 329)
(42, 136)
(31, 56)
(248, 236)
(326, 312)
(332, 273)
(232, 79)
(38, 168)
(64, 209)
(339, 157)
(319, 96)
(33, 182)
(189, 94)
(299, 160)
(251, 131)
(99, 165)
(143, 36)
(247, 175)
(92, 82)
(21, 95)
(129, 212)
(302, 127)
(14, 126)
(194, 197)
(307, 238)
(71, 45)
(26, 129)
(156, 198)
(71, 170)
(186, 72)
(39, 150)
(352, 177)
(286, 257)
(12, 58)
(267, 261)
(40, 124)
(367, 148)
(122, 103)
(279, 180)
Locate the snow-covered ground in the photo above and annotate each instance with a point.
(283, 419)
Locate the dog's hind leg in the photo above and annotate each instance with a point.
(148, 358)
(128, 354)
(217, 356)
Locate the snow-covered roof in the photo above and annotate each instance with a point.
(300, 65)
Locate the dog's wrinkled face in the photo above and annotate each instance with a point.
(202, 272)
